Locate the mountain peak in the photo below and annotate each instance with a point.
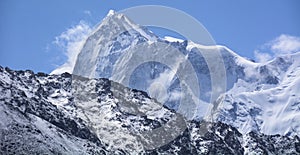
(113, 35)
(111, 12)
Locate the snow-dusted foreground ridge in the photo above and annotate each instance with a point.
(262, 97)
(65, 114)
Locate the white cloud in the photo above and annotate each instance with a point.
(262, 57)
(158, 87)
(284, 44)
(71, 42)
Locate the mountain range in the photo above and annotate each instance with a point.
(255, 96)
(230, 106)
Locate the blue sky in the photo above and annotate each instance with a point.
(251, 28)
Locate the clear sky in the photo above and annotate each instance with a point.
(28, 28)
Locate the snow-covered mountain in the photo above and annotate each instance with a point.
(65, 114)
(128, 95)
(261, 97)
(267, 100)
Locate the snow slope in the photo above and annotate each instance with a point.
(271, 107)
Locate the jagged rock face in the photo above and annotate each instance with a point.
(67, 114)
(31, 124)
